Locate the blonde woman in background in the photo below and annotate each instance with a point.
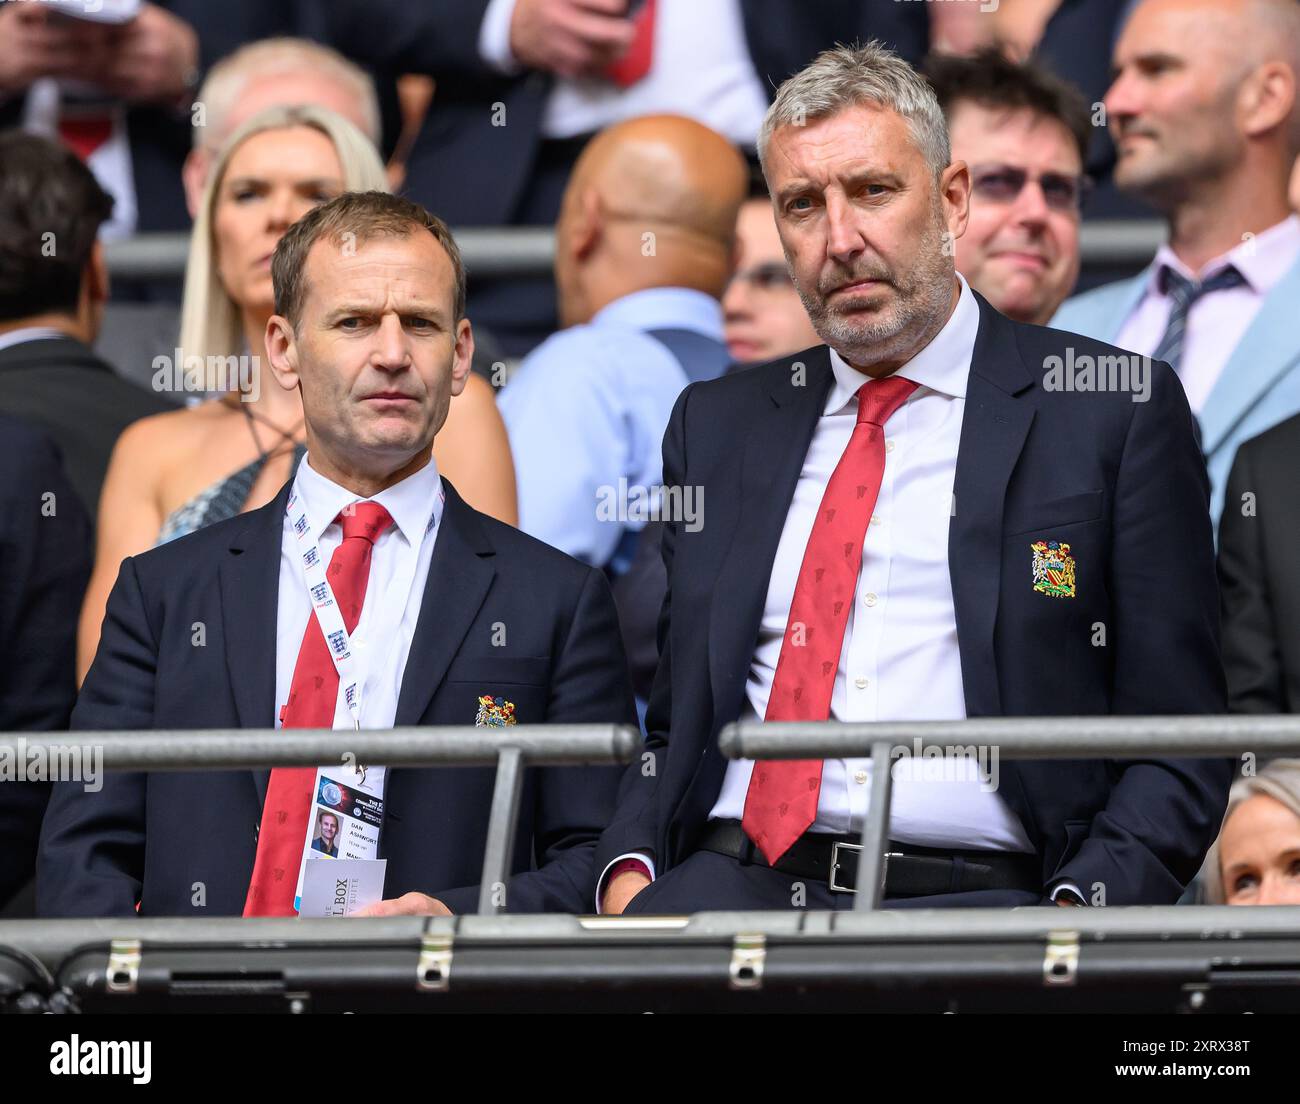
(176, 472)
(1256, 859)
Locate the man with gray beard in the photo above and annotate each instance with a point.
(906, 524)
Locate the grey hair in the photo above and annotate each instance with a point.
(1279, 780)
(846, 76)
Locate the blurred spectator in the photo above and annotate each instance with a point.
(44, 564)
(1259, 543)
(522, 85)
(643, 251)
(764, 317)
(116, 82)
(1256, 859)
(1204, 110)
(275, 72)
(53, 285)
(181, 471)
(1024, 134)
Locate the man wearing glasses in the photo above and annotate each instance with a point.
(1024, 134)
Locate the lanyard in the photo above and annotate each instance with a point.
(328, 614)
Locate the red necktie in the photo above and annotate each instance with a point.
(635, 64)
(782, 798)
(313, 695)
(85, 134)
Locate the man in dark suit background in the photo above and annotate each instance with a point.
(1259, 573)
(993, 537)
(45, 547)
(523, 84)
(370, 327)
(53, 286)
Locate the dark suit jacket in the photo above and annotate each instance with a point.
(1259, 558)
(442, 40)
(63, 386)
(1121, 481)
(151, 837)
(44, 565)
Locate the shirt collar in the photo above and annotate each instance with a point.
(29, 333)
(662, 308)
(942, 366)
(1263, 259)
(411, 503)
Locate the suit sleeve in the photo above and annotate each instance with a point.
(635, 826)
(44, 566)
(1163, 814)
(438, 39)
(1251, 656)
(91, 860)
(589, 685)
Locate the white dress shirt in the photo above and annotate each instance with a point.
(900, 660)
(1217, 322)
(399, 568)
(700, 67)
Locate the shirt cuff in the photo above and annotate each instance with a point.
(632, 856)
(494, 37)
(1062, 887)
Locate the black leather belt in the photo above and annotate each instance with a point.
(910, 871)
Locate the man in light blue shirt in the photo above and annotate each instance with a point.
(644, 249)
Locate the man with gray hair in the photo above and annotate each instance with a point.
(924, 519)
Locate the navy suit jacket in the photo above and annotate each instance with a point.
(1123, 482)
(153, 838)
(44, 566)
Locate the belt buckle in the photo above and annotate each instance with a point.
(835, 865)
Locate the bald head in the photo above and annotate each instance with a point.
(1205, 90)
(661, 175)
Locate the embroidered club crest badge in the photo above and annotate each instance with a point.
(1053, 569)
(494, 712)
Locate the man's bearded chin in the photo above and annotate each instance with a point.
(920, 302)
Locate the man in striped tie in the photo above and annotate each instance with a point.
(913, 522)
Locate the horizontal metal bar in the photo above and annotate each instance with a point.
(486, 250)
(222, 749)
(1023, 737)
(530, 250)
(52, 940)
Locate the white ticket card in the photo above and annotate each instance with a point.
(341, 888)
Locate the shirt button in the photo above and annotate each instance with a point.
(889, 445)
(860, 778)
(875, 519)
(861, 683)
(870, 598)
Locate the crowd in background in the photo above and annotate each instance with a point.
(632, 133)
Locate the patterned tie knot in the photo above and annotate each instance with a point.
(878, 399)
(365, 520)
(1185, 292)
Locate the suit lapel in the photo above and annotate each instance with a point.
(460, 573)
(994, 427)
(1266, 351)
(249, 579)
(773, 457)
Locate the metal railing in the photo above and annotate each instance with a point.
(509, 748)
(1014, 738)
(1199, 959)
(491, 251)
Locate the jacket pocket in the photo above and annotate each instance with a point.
(492, 671)
(1060, 512)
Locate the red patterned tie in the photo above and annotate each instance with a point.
(635, 64)
(313, 695)
(782, 798)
